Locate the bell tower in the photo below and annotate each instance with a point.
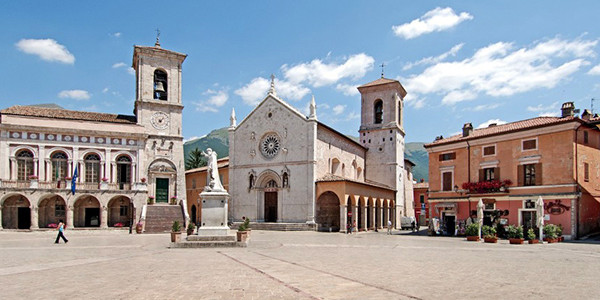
(382, 133)
(158, 109)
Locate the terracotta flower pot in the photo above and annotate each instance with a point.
(242, 236)
(491, 240)
(473, 238)
(552, 241)
(516, 241)
(175, 237)
(533, 241)
(138, 228)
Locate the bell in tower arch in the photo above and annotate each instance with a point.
(160, 85)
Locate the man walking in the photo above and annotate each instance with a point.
(61, 229)
(389, 231)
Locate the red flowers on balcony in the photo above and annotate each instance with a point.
(482, 187)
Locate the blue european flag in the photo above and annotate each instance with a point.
(74, 180)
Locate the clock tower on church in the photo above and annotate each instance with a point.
(158, 109)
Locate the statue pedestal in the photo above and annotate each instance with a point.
(214, 213)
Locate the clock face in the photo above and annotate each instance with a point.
(160, 120)
(269, 146)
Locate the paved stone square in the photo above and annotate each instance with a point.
(107, 264)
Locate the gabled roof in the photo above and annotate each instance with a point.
(55, 113)
(278, 100)
(505, 128)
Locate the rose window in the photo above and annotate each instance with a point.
(270, 146)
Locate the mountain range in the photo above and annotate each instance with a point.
(218, 141)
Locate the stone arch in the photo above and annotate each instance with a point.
(269, 182)
(16, 212)
(120, 211)
(62, 149)
(87, 211)
(18, 149)
(328, 212)
(51, 209)
(160, 84)
(85, 152)
(378, 111)
(265, 176)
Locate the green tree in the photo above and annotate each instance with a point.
(195, 160)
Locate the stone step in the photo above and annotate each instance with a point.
(159, 218)
(199, 238)
(278, 226)
(208, 244)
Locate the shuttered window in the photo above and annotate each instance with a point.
(489, 150)
(586, 172)
(447, 181)
(530, 144)
(530, 174)
(447, 156)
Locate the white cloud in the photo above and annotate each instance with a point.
(317, 74)
(352, 116)
(437, 19)
(435, 59)
(492, 121)
(118, 65)
(131, 71)
(255, 91)
(46, 49)
(216, 99)
(338, 109)
(484, 107)
(501, 70)
(595, 70)
(541, 107)
(347, 89)
(116, 34)
(75, 94)
(105, 90)
(549, 114)
(414, 101)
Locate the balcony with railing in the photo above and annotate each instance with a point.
(487, 186)
(66, 184)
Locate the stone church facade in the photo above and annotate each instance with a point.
(122, 161)
(285, 167)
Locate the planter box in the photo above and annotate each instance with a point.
(473, 238)
(552, 241)
(175, 237)
(242, 236)
(561, 238)
(491, 240)
(533, 241)
(516, 241)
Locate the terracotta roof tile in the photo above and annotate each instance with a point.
(505, 128)
(378, 82)
(333, 178)
(55, 113)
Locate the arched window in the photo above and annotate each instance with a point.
(160, 85)
(335, 166)
(59, 165)
(378, 109)
(123, 170)
(92, 168)
(24, 164)
(399, 113)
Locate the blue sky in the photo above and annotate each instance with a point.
(460, 61)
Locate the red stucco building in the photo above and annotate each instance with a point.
(509, 166)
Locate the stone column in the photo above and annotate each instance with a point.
(364, 219)
(42, 163)
(13, 172)
(36, 164)
(48, 169)
(134, 177)
(34, 218)
(373, 212)
(70, 217)
(0, 217)
(380, 213)
(69, 168)
(113, 177)
(104, 217)
(355, 216)
(387, 216)
(343, 218)
(102, 175)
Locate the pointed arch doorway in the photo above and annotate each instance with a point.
(270, 204)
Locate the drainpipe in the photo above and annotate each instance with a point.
(578, 199)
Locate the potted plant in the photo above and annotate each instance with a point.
(190, 228)
(138, 227)
(143, 180)
(531, 236)
(150, 199)
(173, 200)
(515, 234)
(550, 234)
(242, 233)
(175, 232)
(472, 232)
(489, 234)
(559, 230)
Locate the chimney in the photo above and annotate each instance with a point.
(467, 129)
(586, 115)
(567, 109)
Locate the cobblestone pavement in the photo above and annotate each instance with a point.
(292, 265)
